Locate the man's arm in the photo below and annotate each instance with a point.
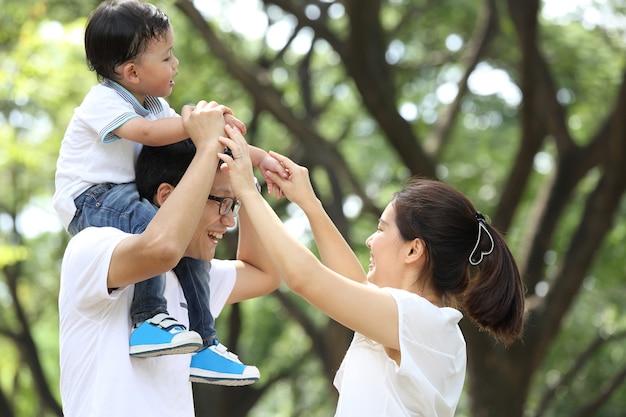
(164, 242)
(256, 274)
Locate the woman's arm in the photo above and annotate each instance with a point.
(363, 308)
(334, 250)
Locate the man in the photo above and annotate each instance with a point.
(98, 377)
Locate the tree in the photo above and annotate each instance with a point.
(37, 72)
(493, 97)
(363, 40)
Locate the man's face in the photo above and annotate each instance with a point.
(212, 225)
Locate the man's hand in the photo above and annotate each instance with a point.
(204, 123)
(231, 120)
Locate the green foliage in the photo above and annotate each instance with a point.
(43, 76)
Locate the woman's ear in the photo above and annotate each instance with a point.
(163, 192)
(417, 250)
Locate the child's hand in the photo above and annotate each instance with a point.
(232, 121)
(272, 165)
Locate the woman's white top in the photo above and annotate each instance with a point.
(429, 380)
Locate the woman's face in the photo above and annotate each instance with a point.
(387, 251)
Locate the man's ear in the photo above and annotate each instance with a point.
(163, 192)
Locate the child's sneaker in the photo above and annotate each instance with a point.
(216, 365)
(163, 335)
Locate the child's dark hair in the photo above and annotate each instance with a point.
(468, 259)
(119, 31)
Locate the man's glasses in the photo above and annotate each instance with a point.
(227, 204)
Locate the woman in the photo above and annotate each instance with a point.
(431, 250)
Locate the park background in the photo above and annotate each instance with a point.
(519, 104)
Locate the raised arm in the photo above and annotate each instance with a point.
(167, 130)
(157, 132)
(164, 242)
(266, 164)
(333, 248)
(363, 308)
(256, 274)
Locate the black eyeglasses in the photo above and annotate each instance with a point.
(227, 204)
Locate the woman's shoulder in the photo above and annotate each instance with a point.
(415, 307)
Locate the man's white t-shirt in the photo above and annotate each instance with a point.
(429, 380)
(98, 377)
(91, 153)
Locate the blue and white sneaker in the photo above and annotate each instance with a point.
(216, 365)
(163, 335)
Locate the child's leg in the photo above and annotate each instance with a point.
(214, 364)
(119, 206)
(193, 275)
(112, 205)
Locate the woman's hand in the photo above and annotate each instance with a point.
(270, 164)
(239, 166)
(297, 186)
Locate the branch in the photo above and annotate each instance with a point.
(323, 341)
(476, 47)
(582, 360)
(256, 81)
(365, 62)
(6, 408)
(300, 317)
(25, 341)
(604, 394)
(534, 78)
(320, 26)
(596, 221)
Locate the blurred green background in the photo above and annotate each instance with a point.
(520, 105)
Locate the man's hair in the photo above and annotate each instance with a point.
(162, 164)
(119, 31)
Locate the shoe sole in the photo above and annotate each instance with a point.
(150, 351)
(223, 381)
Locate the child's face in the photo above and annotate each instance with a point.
(156, 68)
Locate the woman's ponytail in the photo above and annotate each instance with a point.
(468, 260)
(494, 298)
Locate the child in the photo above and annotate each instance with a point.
(129, 44)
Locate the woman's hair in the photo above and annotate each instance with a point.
(119, 31)
(468, 259)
